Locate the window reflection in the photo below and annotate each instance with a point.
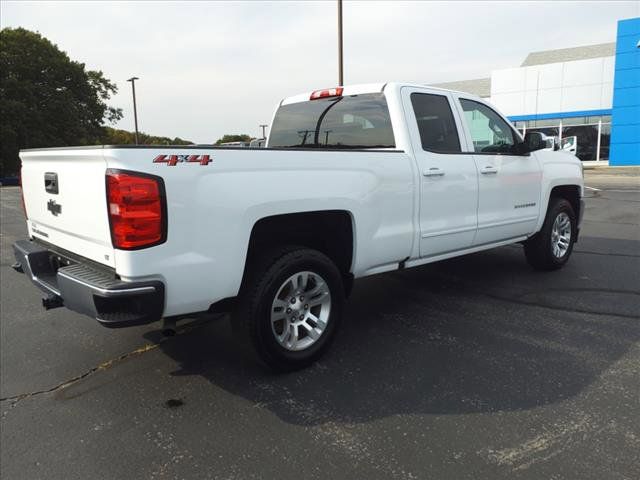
(587, 136)
(585, 129)
(605, 139)
(548, 131)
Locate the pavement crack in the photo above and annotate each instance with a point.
(587, 252)
(15, 399)
(532, 303)
(103, 366)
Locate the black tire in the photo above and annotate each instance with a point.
(539, 248)
(251, 320)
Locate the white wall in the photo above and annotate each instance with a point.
(554, 87)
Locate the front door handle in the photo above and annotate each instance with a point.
(488, 170)
(433, 172)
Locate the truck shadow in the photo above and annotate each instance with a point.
(448, 338)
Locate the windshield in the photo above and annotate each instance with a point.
(356, 121)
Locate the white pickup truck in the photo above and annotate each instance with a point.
(354, 181)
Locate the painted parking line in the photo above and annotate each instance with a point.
(613, 190)
(625, 190)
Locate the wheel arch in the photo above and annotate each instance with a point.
(331, 232)
(572, 192)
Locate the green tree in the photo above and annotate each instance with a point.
(47, 99)
(234, 138)
(112, 136)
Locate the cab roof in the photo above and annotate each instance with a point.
(361, 88)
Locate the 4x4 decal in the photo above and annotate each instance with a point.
(173, 160)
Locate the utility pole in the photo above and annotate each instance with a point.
(340, 72)
(135, 111)
(326, 137)
(263, 130)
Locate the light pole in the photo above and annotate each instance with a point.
(340, 79)
(263, 130)
(135, 111)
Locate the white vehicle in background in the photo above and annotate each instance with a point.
(354, 181)
(570, 144)
(258, 142)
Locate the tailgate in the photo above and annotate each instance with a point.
(65, 199)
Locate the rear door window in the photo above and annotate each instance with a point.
(437, 127)
(355, 121)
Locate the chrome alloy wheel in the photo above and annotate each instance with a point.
(561, 235)
(300, 310)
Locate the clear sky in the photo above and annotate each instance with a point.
(210, 68)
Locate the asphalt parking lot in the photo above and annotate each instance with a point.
(473, 368)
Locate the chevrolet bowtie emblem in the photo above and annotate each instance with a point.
(54, 208)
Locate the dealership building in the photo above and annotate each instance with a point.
(590, 92)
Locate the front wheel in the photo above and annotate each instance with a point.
(551, 247)
(290, 307)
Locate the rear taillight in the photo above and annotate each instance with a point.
(137, 209)
(329, 92)
(24, 207)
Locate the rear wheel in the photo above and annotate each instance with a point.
(551, 247)
(290, 307)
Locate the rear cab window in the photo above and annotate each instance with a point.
(353, 121)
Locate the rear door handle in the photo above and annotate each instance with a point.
(489, 169)
(433, 172)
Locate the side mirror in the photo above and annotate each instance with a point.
(535, 141)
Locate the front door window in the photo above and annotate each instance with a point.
(489, 132)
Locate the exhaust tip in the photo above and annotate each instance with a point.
(169, 332)
(52, 301)
(168, 327)
(17, 267)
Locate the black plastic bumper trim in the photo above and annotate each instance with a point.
(98, 294)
